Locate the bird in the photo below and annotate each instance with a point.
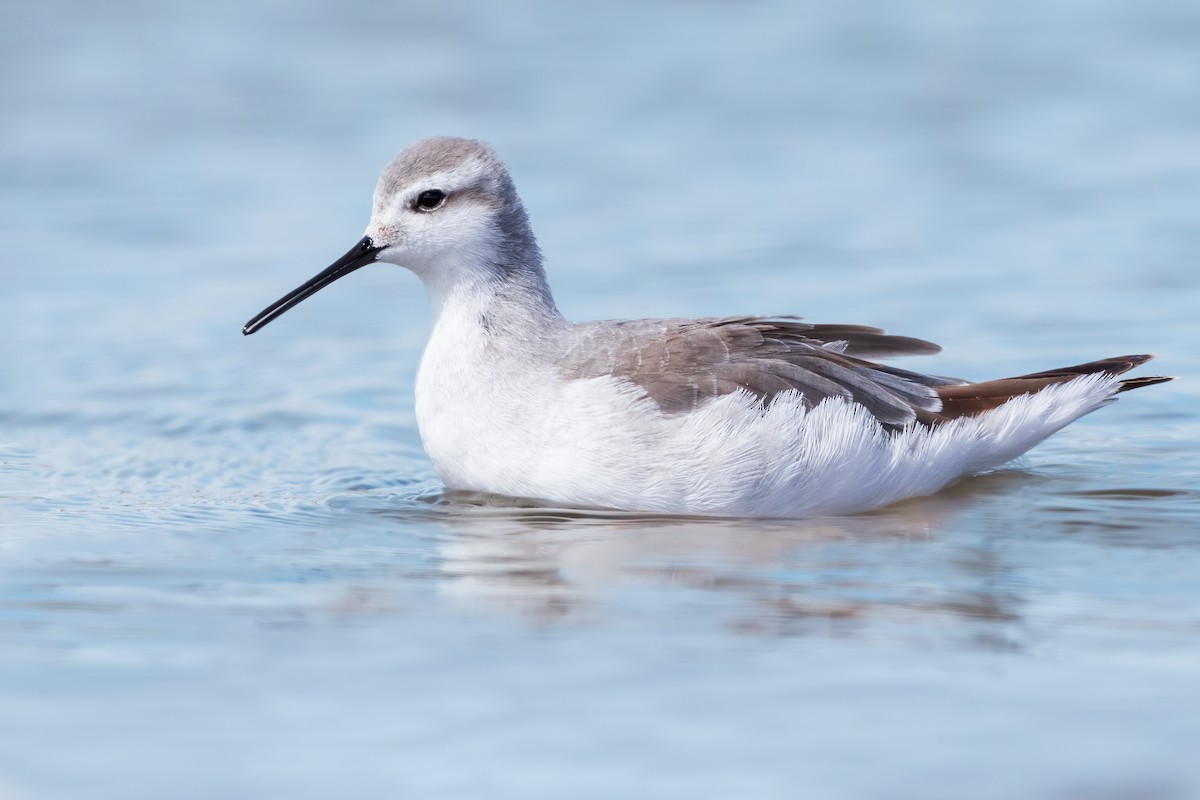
(739, 416)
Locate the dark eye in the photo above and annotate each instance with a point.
(430, 199)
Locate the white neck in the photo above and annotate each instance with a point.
(494, 341)
(493, 279)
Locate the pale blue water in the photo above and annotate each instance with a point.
(225, 566)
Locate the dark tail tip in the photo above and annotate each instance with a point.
(1137, 383)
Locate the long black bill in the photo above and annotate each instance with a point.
(360, 255)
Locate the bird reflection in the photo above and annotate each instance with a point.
(924, 566)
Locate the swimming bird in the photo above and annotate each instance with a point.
(741, 416)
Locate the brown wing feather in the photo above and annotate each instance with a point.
(975, 398)
(682, 363)
(859, 341)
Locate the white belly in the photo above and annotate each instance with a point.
(499, 423)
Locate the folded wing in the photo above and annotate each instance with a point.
(683, 363)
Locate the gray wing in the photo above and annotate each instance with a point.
(682, 363)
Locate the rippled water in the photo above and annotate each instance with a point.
(226, 567)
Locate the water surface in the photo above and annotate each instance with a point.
(227, 569)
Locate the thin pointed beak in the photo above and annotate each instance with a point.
(360, 255)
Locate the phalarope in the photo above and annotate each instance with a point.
(747, 416)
